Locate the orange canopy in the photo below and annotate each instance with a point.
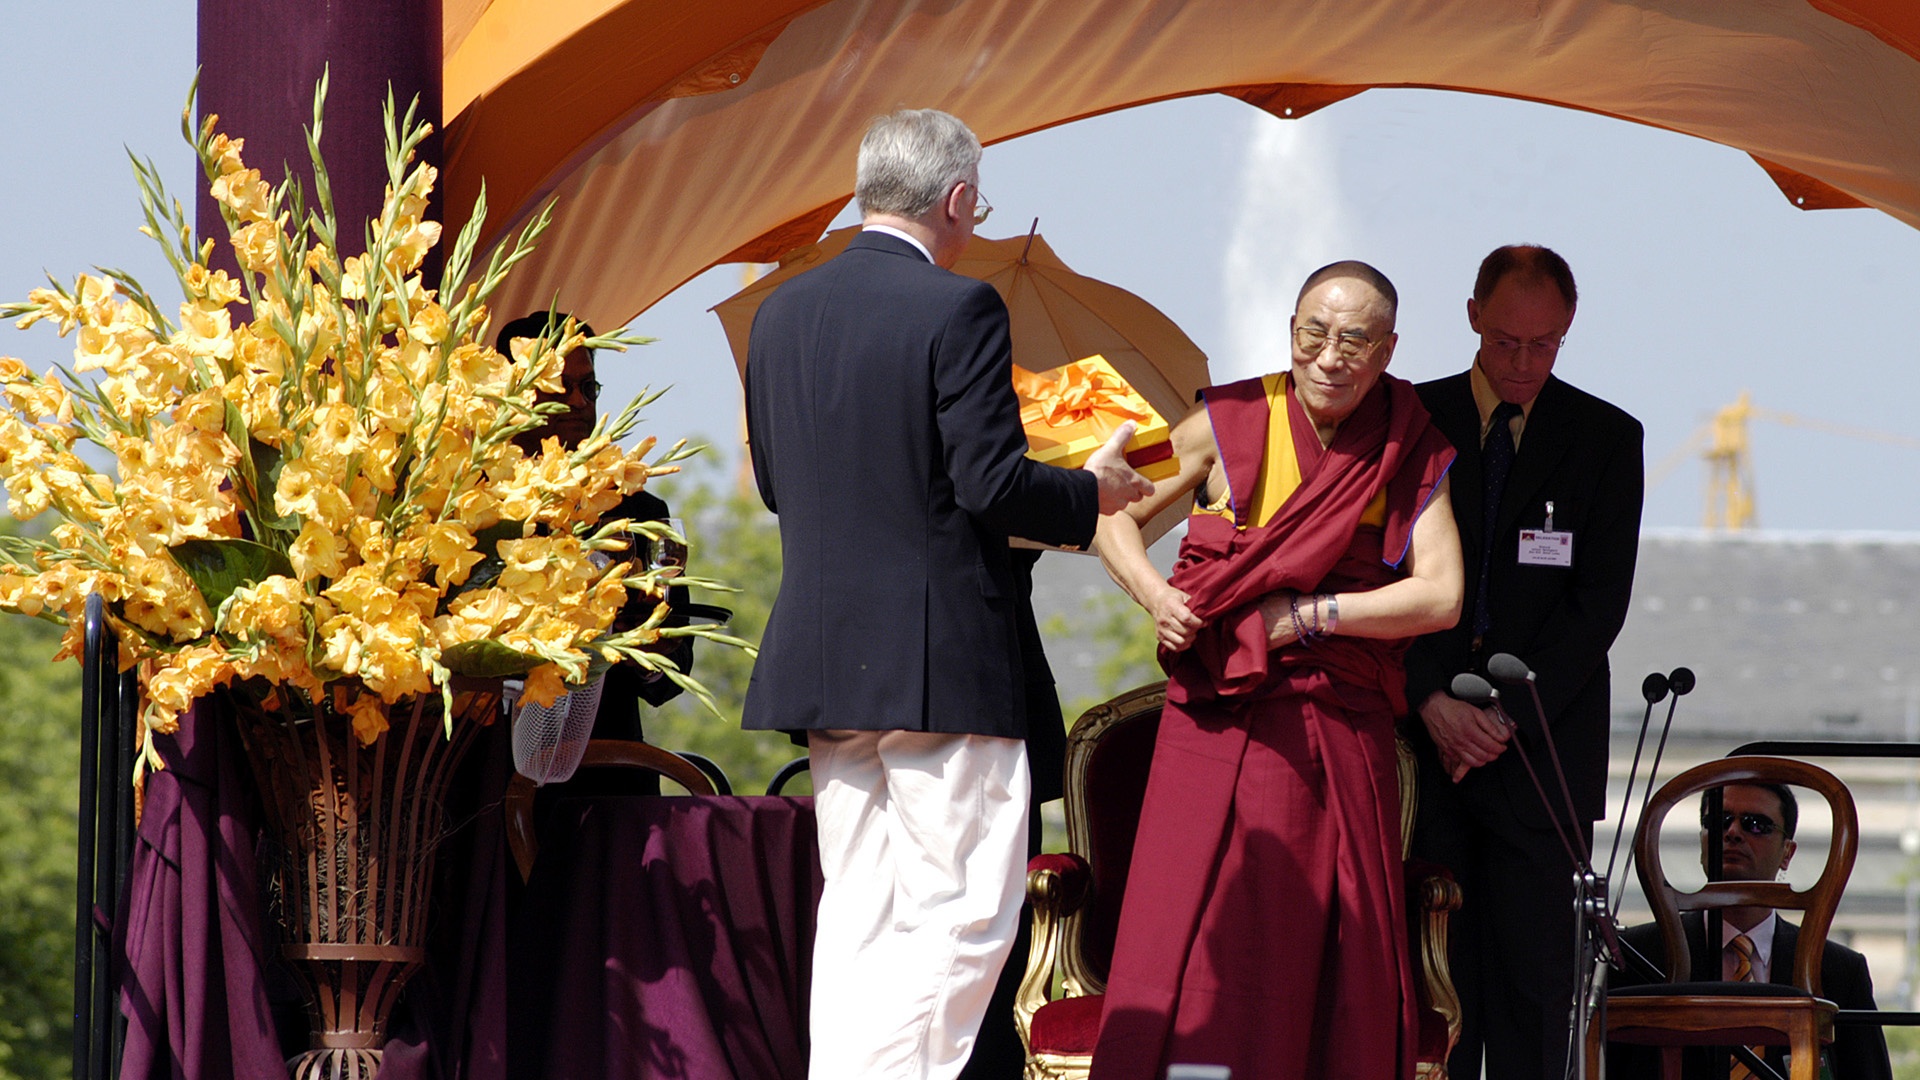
(678, 134)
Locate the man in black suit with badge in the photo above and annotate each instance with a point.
(886, 436)
(1546, 492)
(1757, 823)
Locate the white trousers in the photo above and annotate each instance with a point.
(923, 842)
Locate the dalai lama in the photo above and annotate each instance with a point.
(1263, 925)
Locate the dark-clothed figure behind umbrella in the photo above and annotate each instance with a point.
(885, 435)
(627, 685)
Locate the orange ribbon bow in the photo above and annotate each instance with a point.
(1083, 392)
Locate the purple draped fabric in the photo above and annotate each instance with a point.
(659, 937)
(666, 938)
(195, 1002)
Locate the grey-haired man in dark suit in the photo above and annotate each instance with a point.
(886, 436)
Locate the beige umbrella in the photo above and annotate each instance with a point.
(1057, 317)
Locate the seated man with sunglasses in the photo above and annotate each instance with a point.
(1757, 822)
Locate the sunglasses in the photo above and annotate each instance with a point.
(1751, 824)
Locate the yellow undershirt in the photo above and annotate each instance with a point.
(1280, 467)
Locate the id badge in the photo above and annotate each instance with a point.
(1541, 547)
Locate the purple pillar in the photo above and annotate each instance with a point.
(259, 62)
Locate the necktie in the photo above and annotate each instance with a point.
(1496, 457)
(1743, 957)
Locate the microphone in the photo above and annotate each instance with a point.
(1473, 689)
(1654, 687)
(1681, 680)
(1508, 668)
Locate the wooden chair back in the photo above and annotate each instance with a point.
(1109, 752)
(1818, 901)
(600, 753)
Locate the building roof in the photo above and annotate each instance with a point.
(1788, 635)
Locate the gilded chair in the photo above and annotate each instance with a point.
(601, 753)
(1686, 1012)
(1076, 897)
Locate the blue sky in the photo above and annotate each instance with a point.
(1698, 279)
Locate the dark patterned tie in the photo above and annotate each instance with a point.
(1496, 460)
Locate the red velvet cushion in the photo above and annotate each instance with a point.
(1116, 783)
(1430, 1047)
(1064, 863)
(1068, 1026)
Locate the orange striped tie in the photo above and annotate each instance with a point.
(1743, 957)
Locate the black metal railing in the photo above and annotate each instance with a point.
(109, 700)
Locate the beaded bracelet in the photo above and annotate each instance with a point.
(1299, 627)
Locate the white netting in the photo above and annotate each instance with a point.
(549, 740)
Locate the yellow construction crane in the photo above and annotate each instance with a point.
(1723, 443)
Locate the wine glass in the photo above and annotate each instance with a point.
(667, 552)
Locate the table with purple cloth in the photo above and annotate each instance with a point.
(665, 937)
(659, 937)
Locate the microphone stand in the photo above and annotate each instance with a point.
(1596, 927)
(1475, 690)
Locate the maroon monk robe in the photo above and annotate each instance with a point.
(1263, 924)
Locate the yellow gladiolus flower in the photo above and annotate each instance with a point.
(257, 245)
(450, 551)
(410, 247)
(429, 325)
(369, 718)
(17, 595)
(226, 153)
(243, 193)
(189, 675)
(317, 552)
(205, 332)
(544, 685)
(273, 608)
(212, 288)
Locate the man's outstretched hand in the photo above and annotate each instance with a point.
(1120, 486)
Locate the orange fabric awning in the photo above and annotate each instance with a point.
(679, 134)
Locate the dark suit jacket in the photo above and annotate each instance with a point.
(885, 434)
(1584, 455)
(1858, 1053)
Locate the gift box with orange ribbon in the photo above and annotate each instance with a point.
(1070, 411)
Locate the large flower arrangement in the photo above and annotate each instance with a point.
(314, 482)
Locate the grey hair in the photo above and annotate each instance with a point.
(910, 159)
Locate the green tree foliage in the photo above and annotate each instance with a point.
(1121, 635)
(1903, 1051)
(731, 538)
(39, 771)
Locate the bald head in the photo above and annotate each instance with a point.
(1355, 270)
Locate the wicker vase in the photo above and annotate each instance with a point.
(351, 867)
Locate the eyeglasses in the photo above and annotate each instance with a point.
(589, 387)
(981, 207)
(1751, 824)
(1312, 339)
(1544, 346)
